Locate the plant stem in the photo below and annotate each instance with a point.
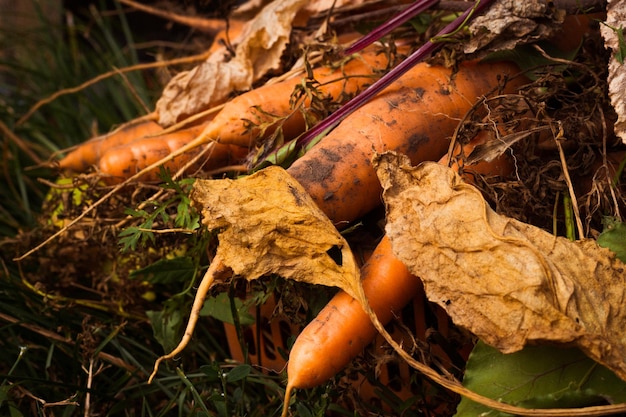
(384, 29)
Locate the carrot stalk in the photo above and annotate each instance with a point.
(384, 29)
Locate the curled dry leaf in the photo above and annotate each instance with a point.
(268, 224)
(613, 35)
(508, 23)
(508, 282)
(258, 50)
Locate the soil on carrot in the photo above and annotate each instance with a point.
(557, 129)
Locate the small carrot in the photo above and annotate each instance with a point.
(238, 123)
(415, 116)
(342, 329)
(233, 124)
(123, 161)
(89, 153)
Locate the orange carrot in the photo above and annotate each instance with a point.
(123, 161)
(415, 116)
(235, 123)
(342, 329)
(90, 152)
(232, 125)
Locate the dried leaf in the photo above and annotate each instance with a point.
(509, 23)
(508, 282)
(258, 50)
(613, 34)
(268, 224)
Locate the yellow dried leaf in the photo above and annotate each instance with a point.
(268, 224)
(508, 282)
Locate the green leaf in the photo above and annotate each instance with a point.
(613, 237)
(166, 326)
(166, 271)
(238, 373)
(538, 377)
(213, 372)
(219, 307)
(303, 411)
(529, 59)
(186, 216)
(621, 45)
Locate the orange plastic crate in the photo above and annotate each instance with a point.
(267, 343)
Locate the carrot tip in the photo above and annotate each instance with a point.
(288, 391)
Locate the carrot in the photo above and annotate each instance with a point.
(414, 116)
(123, 161)
(342, 329)
(239, 122)
(90, 152)
(232, 125)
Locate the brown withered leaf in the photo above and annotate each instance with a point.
(508, 23)
(508, 282)
(611, 31)
(258, 49)
(268, 224)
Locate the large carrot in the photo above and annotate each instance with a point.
(342, 329)
(123, 161)
(90, 152)
(415, 116)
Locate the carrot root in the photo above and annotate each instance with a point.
(216, 270)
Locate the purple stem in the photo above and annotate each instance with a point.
(384, 29)
(387, 79)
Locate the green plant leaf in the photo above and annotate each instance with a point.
(212, 372)
(238, 373)
(614, 237)
(167, 271)
(538, 377)
(529, 59)
(621, 52)
(219, 307)
(166, 326)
